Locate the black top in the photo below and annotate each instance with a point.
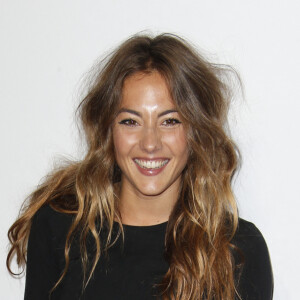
(130, 271)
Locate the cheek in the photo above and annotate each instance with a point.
(177, 142)
(123, 142)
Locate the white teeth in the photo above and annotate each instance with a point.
(151, 164)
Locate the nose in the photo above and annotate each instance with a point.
(150, 140)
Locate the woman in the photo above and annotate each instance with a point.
(149, 212)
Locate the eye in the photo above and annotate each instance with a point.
(128, 122)
(171, 122)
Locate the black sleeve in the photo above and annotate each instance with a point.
(256, 280)
(44, 265)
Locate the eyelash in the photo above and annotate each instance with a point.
(173, 120)
(125, 122)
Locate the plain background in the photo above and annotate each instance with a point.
(47, 47)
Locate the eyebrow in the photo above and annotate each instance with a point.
(134, 112)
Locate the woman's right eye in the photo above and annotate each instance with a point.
(128, 122)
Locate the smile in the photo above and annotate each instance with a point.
(151, 164)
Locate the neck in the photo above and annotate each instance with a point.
(144, 210)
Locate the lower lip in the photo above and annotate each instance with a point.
(150, 172)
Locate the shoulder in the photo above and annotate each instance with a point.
(249, 239)
(247, 231)
(47, 216)
(256, 278)
(50, 224)
(246, 228)
(52, 227)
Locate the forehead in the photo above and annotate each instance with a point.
(146, 88)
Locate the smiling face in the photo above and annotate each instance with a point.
(149, 139)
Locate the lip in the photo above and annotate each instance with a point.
(151, 172)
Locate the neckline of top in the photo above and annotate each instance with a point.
(146, 227)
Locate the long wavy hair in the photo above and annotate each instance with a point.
(203, 221)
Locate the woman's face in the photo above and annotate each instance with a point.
(149, 139)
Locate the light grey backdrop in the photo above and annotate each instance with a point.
(46, 47)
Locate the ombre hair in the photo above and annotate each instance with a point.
(204, 219)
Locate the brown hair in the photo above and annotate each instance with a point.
(205, 217)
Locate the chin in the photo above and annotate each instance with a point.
(152, 190)
(151, 193)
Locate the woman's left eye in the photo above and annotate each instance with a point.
(171, 122)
